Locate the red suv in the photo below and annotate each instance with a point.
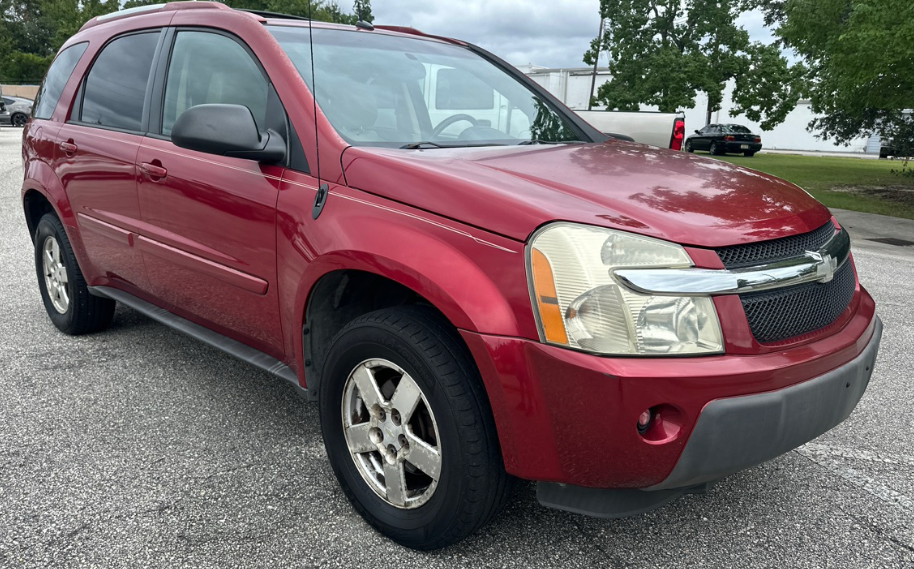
(474, 284)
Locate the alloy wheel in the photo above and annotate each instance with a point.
(56, 279)
(391, 433)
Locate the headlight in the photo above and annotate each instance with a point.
(579, 304)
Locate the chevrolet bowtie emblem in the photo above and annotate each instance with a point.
(826, 265)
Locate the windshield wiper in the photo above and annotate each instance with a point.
(540, 141)
(425, 144)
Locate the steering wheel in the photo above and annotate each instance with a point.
(451, 120)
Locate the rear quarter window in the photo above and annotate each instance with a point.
(56, 79)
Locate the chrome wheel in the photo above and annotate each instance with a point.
(55, 275)
(391, 433)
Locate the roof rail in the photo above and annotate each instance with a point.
(266, 14)
(140, 10)
(415, 32)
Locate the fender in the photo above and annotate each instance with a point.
(41, 178)
(475, 279)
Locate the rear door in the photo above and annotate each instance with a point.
(96, 155)
(209, 240)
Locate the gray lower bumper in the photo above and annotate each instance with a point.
(736, 433)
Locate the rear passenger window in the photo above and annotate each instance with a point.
(56, 79)
(208, 68)
(115, 87)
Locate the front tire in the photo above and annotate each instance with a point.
(63, 289)
(408, 429)
(19, 120)
(689, 147)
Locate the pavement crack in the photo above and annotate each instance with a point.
(858, 479)
(879, 531)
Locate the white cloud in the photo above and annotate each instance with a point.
(552, 33)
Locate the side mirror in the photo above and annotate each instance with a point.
(227, 130)
(697, 132)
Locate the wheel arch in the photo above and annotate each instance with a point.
(341, 295)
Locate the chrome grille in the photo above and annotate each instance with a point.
(793, 311)
(739, 256)
(789, 312)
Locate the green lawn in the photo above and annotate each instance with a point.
(846, 183)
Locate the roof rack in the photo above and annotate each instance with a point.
(150, 8)
(415, 32)
(266, 14)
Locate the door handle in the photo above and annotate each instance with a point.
(153, 170)
(69, 147)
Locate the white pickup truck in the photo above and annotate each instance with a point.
(447, 91)
(665, 130)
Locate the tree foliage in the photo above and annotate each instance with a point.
(663, 52)
(860, 57)
(31, 31)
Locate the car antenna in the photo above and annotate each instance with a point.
(360, 23)
(320, 198)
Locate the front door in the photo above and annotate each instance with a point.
(209, 242)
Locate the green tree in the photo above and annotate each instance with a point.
(663, 52)
(362, 10)
(860, 59)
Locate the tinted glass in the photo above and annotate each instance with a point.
(460, 90)
(381, 90)
(115, 87)
(54, 81)
(737, 128)
(209, 68)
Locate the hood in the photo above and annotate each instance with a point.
(660, 193)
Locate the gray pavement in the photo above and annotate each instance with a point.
(139, 447)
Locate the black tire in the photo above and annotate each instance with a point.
(472, 486)
(748, 154)
(83, 313)
(715, 149)
(19, 120)
(688, 147)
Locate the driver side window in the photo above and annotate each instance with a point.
(210, 68)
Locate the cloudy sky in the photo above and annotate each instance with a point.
(549, 34)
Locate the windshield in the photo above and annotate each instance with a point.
(383, 90)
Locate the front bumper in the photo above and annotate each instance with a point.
(733, 434)
(568, 417)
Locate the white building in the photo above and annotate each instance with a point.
(572, 86)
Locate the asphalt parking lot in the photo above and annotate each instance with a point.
(141, 447)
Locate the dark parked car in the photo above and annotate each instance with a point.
(15, 110)
(725, 139)
(473, 283)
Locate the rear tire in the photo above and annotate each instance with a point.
(449, 419)
(63, 289)
(19, 120)
(715, 149)
(748, 154)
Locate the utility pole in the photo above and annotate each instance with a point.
(596, 61)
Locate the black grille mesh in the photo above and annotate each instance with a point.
(776, 249)
(793, 311)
